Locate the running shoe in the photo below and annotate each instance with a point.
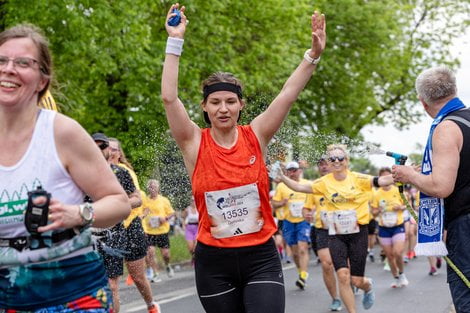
(382, 256)
(438, 262)
(129, 280)
(402, 280)
(371, 257)
(336, 305)
(432, 271)
(386, 266)
(155, 308)
(156, 278)
(170, 271)
(369, 296)
(149, 273)
(301, 283)
(395, 283)
(406, 259)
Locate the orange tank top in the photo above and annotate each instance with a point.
(231, 190)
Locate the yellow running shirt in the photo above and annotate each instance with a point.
(296, 201)
(317, 203)
(385, 200)
(352, 193)
(159, 207)
(135, 211)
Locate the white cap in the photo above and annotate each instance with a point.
(292, 165)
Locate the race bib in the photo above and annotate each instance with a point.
(389, 219)
(154, 221)
(345, 222)
(234, 211)
(295, 208)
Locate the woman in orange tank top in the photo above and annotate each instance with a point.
(236, 262)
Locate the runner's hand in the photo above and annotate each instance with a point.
(62, 216)
(318, 34)
(178, 30)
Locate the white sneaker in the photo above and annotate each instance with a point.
(156, 278)
(149, 273)
(402, 280)
(395, 283)
(386, 266)
(170, 271)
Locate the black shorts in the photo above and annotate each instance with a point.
(161, 241)
(350, 251)
(136, 244)
(121, 244)
(458, 244)
(234, 280)
(322, 238)
(372, 227)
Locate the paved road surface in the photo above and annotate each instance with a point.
(425, 294)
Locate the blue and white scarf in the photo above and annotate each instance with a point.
(431, 209)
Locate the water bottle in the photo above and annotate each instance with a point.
(275, 170)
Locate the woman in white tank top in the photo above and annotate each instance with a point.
(47, 149)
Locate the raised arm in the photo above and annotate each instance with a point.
(186, 132)
(296, 186)
(447, 144)
(267, 123)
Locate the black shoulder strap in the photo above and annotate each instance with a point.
(458, 119)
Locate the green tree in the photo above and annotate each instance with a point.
(108, 57)
(363, 165)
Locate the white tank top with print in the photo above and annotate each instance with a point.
(39, 166)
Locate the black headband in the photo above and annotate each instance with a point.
(222, 87)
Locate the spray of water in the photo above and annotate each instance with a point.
(290, 144)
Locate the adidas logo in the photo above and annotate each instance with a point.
(238, 232)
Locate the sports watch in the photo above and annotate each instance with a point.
(87, 214)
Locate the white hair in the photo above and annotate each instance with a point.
(435, 84)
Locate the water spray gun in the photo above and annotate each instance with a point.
(400, 159)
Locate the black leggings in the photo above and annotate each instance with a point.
(240, 280)
(350, 251)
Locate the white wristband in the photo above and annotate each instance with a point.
(174, 46)
(309, 59)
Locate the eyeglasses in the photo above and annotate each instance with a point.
(103, 145)
(20, 62)
(336, 158)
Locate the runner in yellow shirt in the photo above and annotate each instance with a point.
(389, 206)
(295, 230)
(157, 210)
(347, 196)
(317, 204)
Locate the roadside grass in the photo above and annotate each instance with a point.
(178, 251)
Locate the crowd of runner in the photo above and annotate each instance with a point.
(82, 215)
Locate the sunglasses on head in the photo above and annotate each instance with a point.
(103, 145)
(334, 158)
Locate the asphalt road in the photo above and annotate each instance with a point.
(425, 294)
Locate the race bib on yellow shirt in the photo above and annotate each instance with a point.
(234, 211)
(295, 208)
(389, 219)
(154, 221)
(345, 222)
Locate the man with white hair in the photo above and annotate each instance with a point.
(444, 181)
